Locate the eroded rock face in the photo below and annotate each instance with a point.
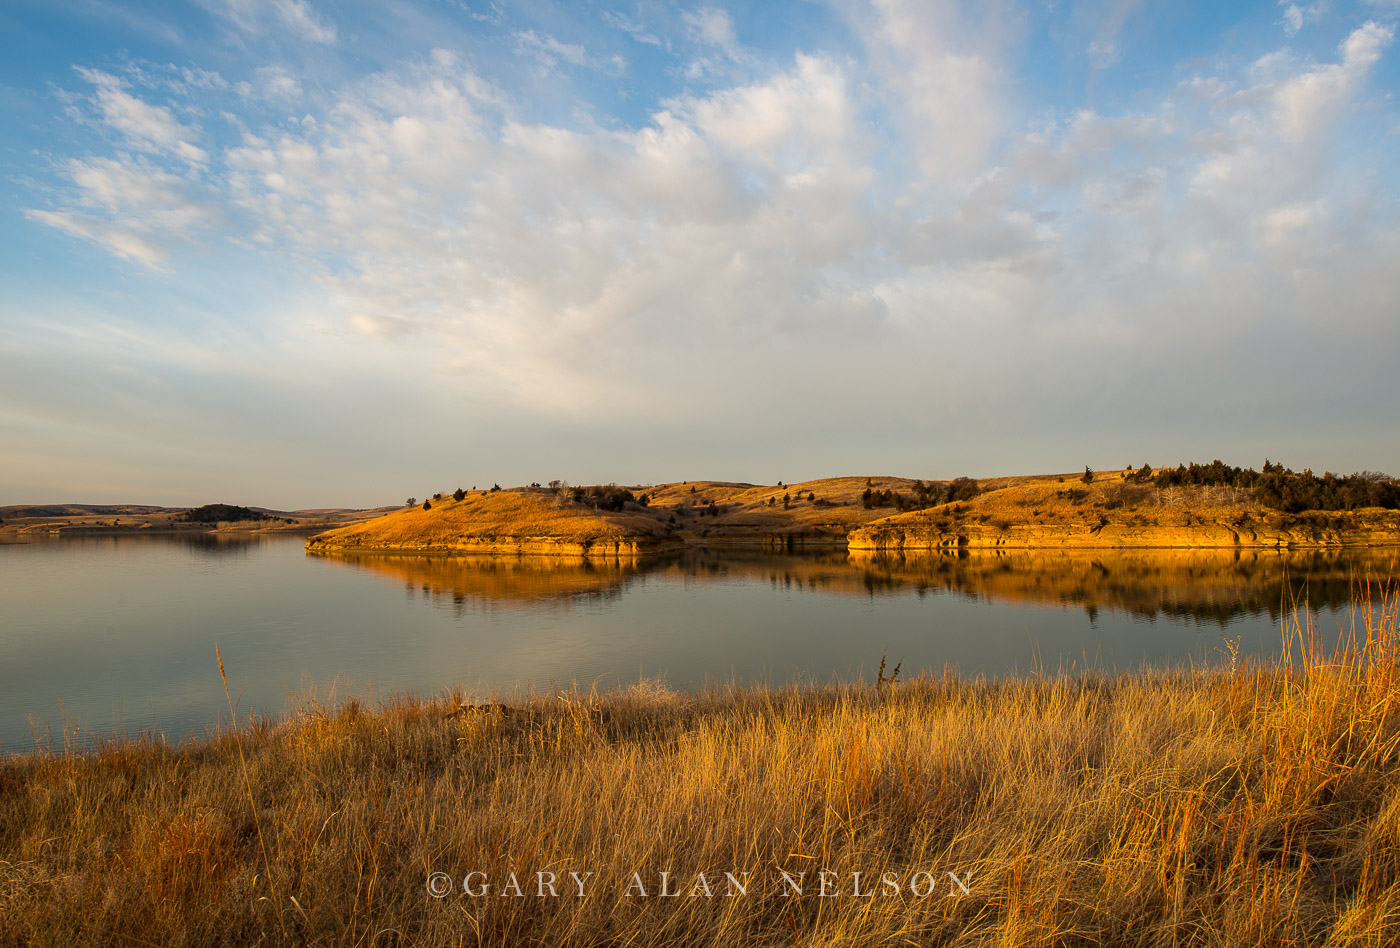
(1366, 528)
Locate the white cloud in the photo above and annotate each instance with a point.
(122, 241)
(637, 31)
(135, 210)
(943, 82)
(260, 17)
(713, 25)
(1296, 15)
(882, 214)
(549, 50)
(1307, 103)
(151, 127)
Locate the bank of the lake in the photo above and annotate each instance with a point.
(870, 514)
(1244, 805)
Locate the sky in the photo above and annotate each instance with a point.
(295, 253)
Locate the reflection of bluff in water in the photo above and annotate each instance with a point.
(501, 581)
(1202, 585)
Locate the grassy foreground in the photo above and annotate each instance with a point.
(1232, 806)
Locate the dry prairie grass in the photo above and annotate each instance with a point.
(482, 516)
(1229, 806)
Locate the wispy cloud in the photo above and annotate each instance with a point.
(150, 127)
(259, 17)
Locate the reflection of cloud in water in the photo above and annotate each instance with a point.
(1205, 586)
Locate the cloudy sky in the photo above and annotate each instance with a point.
(303, 253)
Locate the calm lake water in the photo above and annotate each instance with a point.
(106, 634)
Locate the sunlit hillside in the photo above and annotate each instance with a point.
(1106, 509)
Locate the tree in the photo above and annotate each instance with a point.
(495, 487)
(787, 500)
(963, 488)
(458, 494)
(811, 496)
(427, 505)
(1088, 477)
(411, 502)
(772, 501)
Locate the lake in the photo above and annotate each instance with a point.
(100, 635)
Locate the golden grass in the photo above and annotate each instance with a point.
(1226, 806)
(1110, 499)
(1034, 511)
(483, 517)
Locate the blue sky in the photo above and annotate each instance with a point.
(293, 253)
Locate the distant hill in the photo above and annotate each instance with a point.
(73, 519)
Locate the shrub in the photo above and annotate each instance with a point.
(963, 488)
(458, 494)
(427, 505)
(883, 498)
(605, 496)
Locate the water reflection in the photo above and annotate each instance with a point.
(1206, 586)
(499, 582)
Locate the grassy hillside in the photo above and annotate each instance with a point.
(1111, 511)
(1228, 806)
(504, 521)
(1005, 512)
(539, 520)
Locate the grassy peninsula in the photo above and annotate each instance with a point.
(1211, 506)
(1235, 805)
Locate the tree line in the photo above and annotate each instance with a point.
(1282, 488)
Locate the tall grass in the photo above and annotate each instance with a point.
(1257, 805)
